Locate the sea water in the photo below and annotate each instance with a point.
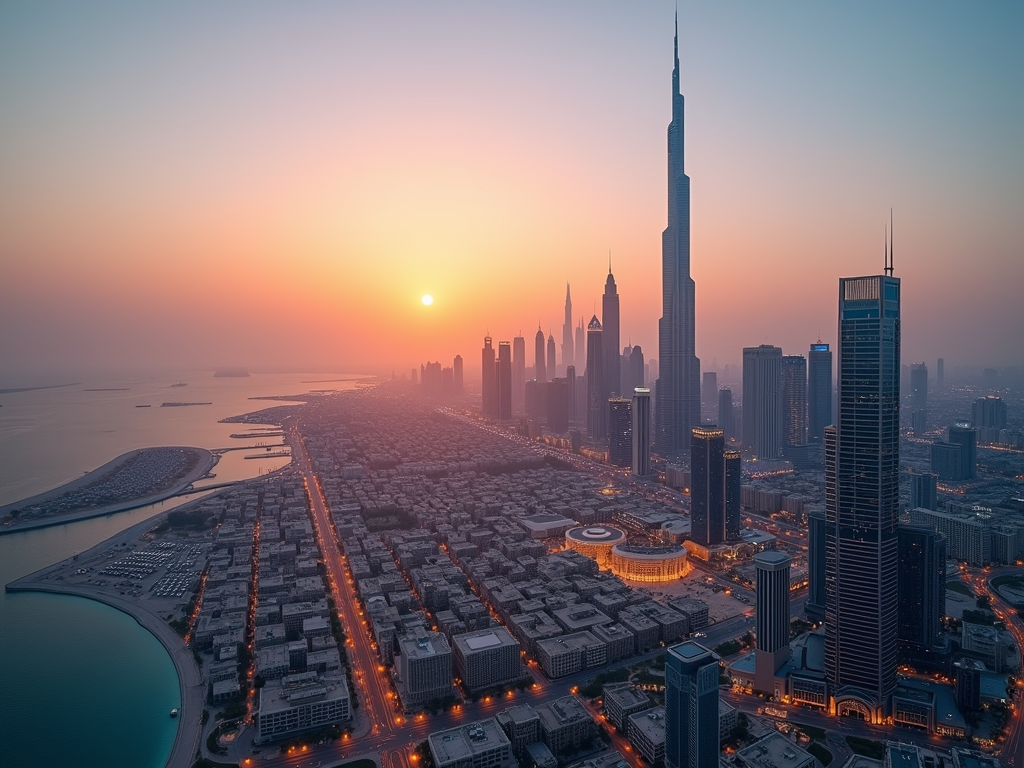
(80, 682)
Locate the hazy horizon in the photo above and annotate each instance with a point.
(275, 187)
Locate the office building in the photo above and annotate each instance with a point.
(966, 438)
(636, 377)
(708, 396)
(691, 707)
(457, 375)
(558, 405)
(539, 357)
(725, 415)
(597, 403)
(919, 398)
(794, 399)
(552, 365)
(946, 462)
(733, 493)
(814, 608)
(504, 380)
(677, 395)
(862, 506)
(610, 337)
(641, 447)
(489, 380)
(620, 431)
(571, 385)
(922, 585)
(988, 413)
(487, 658)
(568, 348)
(580, 347)
(819, 391)
(922, 490)
(424, 667)
(771, 617)
(300, 703)
(519, 374)
(762, 402)
(707, 485)
(478, 745)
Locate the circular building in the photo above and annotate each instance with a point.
(644, 563)
(594, 541)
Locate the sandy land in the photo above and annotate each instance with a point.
(206, 462)
(78, 576)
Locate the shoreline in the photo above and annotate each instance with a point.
(206, 462)
(191, 686)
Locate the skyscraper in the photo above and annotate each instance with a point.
(919, 395)
(814, 608)
(733, 493)
(709, 396)
(819, 391)
(923, 491)
(922, 585)
(558, 405)
(457, 377)
(762, 401)
(725, 418)
(967, 439)
(610, 327)
(570, 384)
(641, 432)
(620, 431)
(771, 617)
(707, 485)
(636, 369)
(691, 707)
(519, 374)
(568, 348)
(794, 399)
(489, 380)
(677, 397)
(597, 403)
(504, 380)
(862, 512)
(580, 347)
(988, 413)
(552, 366)
(539, 354)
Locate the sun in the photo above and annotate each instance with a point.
(427, 299)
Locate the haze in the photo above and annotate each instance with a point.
(277, 186)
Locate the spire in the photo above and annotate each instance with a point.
(567, 299)
(675, 68)
(609, 261)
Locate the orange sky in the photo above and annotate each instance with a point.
(277, 188)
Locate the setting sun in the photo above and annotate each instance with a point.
(427, 299)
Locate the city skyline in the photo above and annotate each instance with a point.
(143, 204)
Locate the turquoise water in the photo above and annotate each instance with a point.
(81, 683)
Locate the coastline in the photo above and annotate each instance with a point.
(191, 687)
(207, 460)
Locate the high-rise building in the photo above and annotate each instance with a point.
(610, 339)
(519, 374)
(424, 668)
(677, 396)
(967, 439)
(708, 396)
(923, 491)
(922, 585)
(725, 417)
(457, 377)
(819, 391)
(641, 413)
(794, 399)
(988, 413)
(539, 354)
(636, 369)
(862, 511)
(947, 461)
(814, 608)
(487, 658)
(919, 397)
(568, 348)
(762, 401)
(771, 617)
(552, 365)
(504, 380)
(597, 403)
(558, 405)
(691, 707)
(714, 487)
(580, 346)
(620, 431)
(570, 385)
(489, 380)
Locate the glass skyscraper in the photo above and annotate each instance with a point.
(819, 391)
(862, 509)
(691, 707)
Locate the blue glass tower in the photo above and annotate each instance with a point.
(691, 707)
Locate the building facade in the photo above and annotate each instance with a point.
(691, 707)
(819, 391)
(641, 437)
(771, 617)
(763, 434)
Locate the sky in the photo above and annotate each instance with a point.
(276, 185)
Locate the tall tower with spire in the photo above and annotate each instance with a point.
(677, 398)
(611, 351)
(539, 358)
(568, 350)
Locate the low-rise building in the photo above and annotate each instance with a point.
(646, 732)
(478, 745)
(300, 703)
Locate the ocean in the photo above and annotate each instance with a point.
(82, 683)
